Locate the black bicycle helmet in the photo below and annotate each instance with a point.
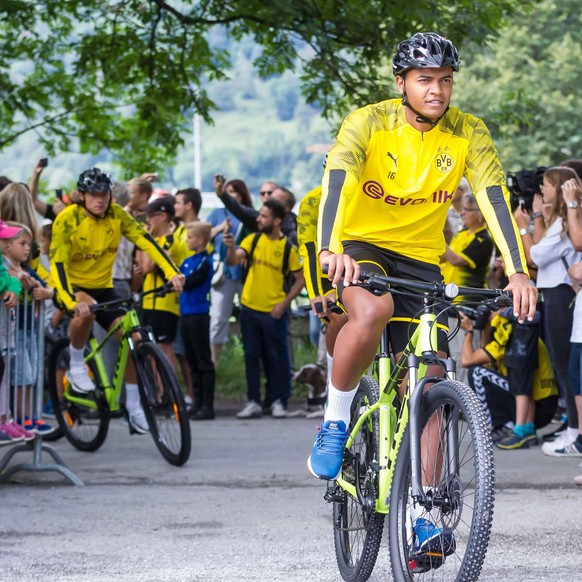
(94, 180)
(425, 50)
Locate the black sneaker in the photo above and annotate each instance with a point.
(203, 414)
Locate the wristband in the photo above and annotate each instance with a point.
(537, 214)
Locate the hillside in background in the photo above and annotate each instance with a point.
(263, 130)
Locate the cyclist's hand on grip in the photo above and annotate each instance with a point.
(177, 282)
(339, 266)
(525, 296)
(319, 306)
(82, 310)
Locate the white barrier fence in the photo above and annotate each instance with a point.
(22, 390)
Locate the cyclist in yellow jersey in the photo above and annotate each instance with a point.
(83, 247)
(319, 289)
(389, 181)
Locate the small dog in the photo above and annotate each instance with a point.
(315, 378)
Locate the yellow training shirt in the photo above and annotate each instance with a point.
(476, 248)
(391, 185)
(83, 249)
(264, 285)
(178, 252)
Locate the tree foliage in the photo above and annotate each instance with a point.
(126, 75)
(526, 86)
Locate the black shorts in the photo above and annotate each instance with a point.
(407, 308)
(163, 323)
(104, 318)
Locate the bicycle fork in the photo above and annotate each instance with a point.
(425, 494)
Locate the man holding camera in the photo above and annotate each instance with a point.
(512, 375)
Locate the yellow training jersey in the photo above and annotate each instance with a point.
(178, 252)
(476, 248)
(307, 237)
(264, 285)
(391, 185)
(83, 249)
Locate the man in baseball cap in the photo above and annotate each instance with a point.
(163, 204)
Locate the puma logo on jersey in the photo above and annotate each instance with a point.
(393, 158)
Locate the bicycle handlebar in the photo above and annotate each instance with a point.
(435, 288)
(383, 283)
(134, 298)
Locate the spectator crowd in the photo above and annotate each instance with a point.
(253, 262)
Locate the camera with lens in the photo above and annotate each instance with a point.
(479, 315)
(524, 185)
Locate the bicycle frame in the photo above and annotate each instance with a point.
(129, 323)
(416, 357)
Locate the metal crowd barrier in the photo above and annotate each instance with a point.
(22, 346)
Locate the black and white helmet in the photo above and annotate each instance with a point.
(425, 50)
(94, 180)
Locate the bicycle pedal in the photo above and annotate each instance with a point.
(333, 494)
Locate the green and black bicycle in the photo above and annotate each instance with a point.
(389, 466)
(84, 418)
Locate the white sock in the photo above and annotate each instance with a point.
(132, 401)
(338, 404)
(572, 432)
(77, 357)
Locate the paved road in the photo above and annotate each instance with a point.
(245, 509)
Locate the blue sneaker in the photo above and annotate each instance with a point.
(430, 539)
(325, 461)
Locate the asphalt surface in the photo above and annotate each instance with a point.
(244, 508)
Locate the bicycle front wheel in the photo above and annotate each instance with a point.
(83, 418)
(358, 529)
(457, 471)
(163, 404)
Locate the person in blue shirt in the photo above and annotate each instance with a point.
(229, 283)
(195, 319)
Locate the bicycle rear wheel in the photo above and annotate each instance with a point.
(163, 404)
(358, 529)
(84, 424)
(465, 489)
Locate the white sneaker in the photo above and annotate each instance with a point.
(251, 410)
(278, 410)
(558, 443)
(138, 422)
(79, 379)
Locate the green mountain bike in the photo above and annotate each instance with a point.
(84, 418)
(388, 467)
